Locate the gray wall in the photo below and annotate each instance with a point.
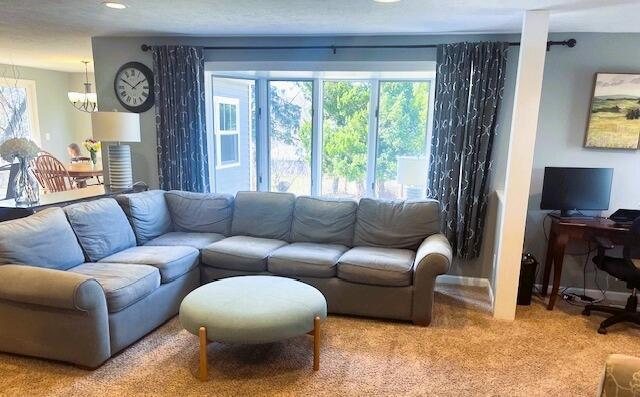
(566, 94)
(111, 52)
(57, 117)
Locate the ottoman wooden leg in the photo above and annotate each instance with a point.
(316, 343)
(203, 354)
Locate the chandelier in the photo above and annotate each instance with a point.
(86, 101)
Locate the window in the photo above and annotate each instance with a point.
(18, 117)
(227, 132)
(345, 131)
(401, 170)
(290, 117)
(231, 133)
(336, 134)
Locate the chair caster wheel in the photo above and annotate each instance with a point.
(586, 312)
(602, 331)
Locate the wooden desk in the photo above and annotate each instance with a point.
(563, 230)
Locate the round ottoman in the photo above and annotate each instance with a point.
(253, 309)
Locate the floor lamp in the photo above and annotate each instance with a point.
(412, 174)
(117, 127)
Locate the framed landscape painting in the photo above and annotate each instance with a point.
(614, 118)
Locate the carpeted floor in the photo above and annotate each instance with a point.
(464, 353)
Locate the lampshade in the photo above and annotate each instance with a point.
(115, 126)
(412, 171)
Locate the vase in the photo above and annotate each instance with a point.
(27, 191)
(94, 157)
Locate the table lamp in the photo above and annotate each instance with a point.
(117, 127)
(412, 174)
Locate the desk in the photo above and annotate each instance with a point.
(10, 210)
(563, 230)
(79, 171)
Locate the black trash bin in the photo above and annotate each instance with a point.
(528, 267)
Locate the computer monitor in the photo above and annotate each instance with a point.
(571, 189)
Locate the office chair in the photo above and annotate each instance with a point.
(626, 269)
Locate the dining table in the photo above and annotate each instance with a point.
(83, 171)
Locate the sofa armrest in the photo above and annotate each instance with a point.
(433, 258)
(620, 371)
(48, 287)
(434, 255)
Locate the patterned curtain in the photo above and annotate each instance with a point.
(180, 118)
(469, 87)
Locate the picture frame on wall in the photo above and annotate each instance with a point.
(614, 115)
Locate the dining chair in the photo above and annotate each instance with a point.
(52, 174)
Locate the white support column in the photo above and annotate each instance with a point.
(524, 124)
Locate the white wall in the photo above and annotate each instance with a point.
(566, 95)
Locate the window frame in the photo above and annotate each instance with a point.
(218, 133)
(262, 116)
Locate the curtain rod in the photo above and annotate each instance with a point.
(145, 47)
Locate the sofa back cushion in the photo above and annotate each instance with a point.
(101, 226)
(200, 212)
(44, 239)
(395, 224)
(148, 214)
(263, 214)
(323, 220)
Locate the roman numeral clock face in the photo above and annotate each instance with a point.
(134, 87)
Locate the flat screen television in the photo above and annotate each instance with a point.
(571, 189)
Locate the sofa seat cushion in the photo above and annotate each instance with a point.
(306, 260)
(172, 262)
(377, 266)
(123, 284)
(187, 239)
(241, 253)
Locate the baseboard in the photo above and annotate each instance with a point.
(463, 280)
(612, 296)
(467, 281)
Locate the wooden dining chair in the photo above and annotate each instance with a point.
(52, 174)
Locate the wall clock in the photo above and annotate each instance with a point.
(134, 87)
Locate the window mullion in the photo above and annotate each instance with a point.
(316, 138)
(372, 140)
(262, 135)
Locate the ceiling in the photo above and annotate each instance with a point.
(56, 34)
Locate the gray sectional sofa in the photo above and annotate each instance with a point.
(81, 283)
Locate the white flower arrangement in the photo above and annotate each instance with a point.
(22, 148)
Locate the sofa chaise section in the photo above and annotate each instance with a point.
(47, 311)
(65, 302)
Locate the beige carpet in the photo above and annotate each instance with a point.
(464, 353)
